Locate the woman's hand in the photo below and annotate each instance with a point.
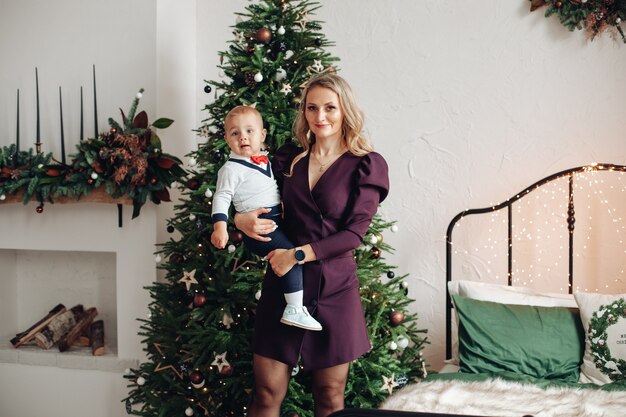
(250, 224)
(281, 260)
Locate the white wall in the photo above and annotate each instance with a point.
(468, 101)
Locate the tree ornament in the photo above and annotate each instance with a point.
(279, 46)
(192, 217)
(207, 89)
(141, 381)
(393, 345)
(208, 193)
(188, 279)
(193, 184)
(318, 41)
(288, 54)
(3, 197)
(189, 411)
(258, 77)
(249, 79)
(403, 342)
(227, 320)
(221, 362)
(250, 48)
(375, 253)
(281, 30)
(39, 209)
(204, 131)
(396, 318)
(94, 175)
(192, 162)
(389, 384)
(235, 236)
(170, 229)
(197, 379)
(558, 4)
(295, 370)
(263, 35)
(89, 181)
(257, 295)
(405, 284)
(379, 236)
(231, 248)
(128, 405)
(227, 370)
(373, 240)
(390, 274)
(394, 228)
(177, 258)
(199, 299)
(157, 258)
(286, 89)
(281, 74)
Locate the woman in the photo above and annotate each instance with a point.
(331, 187)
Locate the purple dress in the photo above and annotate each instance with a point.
(333, 218)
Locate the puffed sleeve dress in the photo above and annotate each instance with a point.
(333, 217)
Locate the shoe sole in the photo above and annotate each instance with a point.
(293, 323)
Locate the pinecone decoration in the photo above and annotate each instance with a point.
(250, 79)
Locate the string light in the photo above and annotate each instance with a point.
(540, 235)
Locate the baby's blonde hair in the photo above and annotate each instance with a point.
(239, 110)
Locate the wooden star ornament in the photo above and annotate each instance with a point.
(389, 383)
(188, 279)
(220, 361)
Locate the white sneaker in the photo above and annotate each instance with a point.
(299, 317)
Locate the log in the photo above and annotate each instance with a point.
(27, 335)
(96, 331)
(70, 338)
(60, 325)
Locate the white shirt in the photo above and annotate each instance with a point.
(247, 185)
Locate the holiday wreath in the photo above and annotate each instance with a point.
(125, 161)
(594, 16)
(600, 321)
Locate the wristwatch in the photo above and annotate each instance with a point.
(299, 255)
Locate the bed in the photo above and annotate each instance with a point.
(536, 311)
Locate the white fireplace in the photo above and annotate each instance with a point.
(72, 254)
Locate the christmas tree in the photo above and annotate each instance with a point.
(198, 336)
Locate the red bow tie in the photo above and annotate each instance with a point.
(257, 159)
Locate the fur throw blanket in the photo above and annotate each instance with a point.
(506, 399)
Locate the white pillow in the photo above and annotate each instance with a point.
(503, 294)
(604, 320)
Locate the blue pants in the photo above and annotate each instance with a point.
(292, 280)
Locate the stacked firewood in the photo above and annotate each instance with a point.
(65, 328)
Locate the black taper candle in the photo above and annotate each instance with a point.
(95, 104)
(38, 142)
(81, 113)
(62, 133)
(17, 133)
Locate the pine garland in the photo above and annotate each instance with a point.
(126, 161)
(593, 16)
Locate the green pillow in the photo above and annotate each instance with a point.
(543, 342)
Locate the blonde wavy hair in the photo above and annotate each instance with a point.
(353, 119)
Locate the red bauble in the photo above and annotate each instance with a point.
(375, 253)
(263, 35)
(227, 370)
(196, 377)
(199, 299)
(193, 184)
(235, 236)
(89, 181)
(153, 181)
(39, 209)
(396, 317)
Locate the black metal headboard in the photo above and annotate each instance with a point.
(570, 173)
